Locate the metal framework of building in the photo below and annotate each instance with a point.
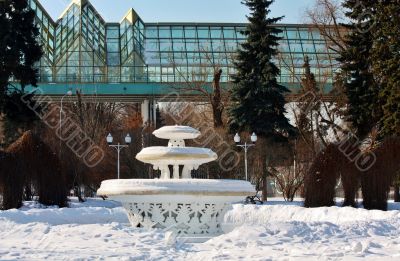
(137, 60)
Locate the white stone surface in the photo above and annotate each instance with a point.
(177, 132)
(175, 155)
(167, 187)
(190, 207)
(183, 205)
(189, 157)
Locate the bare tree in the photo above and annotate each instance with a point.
(216, 100)
(95, 120)
(328, 16)
(141, 137)
(198, 83)
(318, 115)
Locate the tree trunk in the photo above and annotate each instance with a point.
(216, 102)
(78, 191)
(28, 193)
(264, 188)
(396, 193)
(264, 174)
(217, 111)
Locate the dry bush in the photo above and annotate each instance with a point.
(320, 182)
(289, 180)
(349, 173)
(22, 164)
(47, 178)
(377, 180)
(350, 177)
(11, 180)
(289, 177)
(330, 165)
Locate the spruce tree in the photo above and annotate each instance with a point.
(19, 53)
(308, 104)
(257, 99)
(386, 57)
(364, 110)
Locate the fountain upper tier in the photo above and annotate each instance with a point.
(176, 154)
(177, 132)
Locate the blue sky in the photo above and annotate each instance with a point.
(185, 10)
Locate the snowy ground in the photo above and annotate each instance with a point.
(276, 231)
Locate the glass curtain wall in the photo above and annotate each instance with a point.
(180, 53)
(47, 39)
(133, 66)
(113, 54)
(82, 47)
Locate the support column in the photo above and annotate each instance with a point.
(145, 110)
(187, 172)
(154, 105)
(176, 171)
(165, 174)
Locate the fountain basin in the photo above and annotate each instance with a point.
(189, 207)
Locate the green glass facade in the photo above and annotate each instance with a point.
(80, 47)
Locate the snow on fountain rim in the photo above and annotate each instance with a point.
(177, 132)
(210, 187)
(173, 154)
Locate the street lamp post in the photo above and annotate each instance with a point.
(118, 147)
(245, 146)
(69, 93)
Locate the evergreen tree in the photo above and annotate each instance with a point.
(19, 52)
(308, 104)
(257, 99)
(386, 57)
(356, 75)
(309, 98)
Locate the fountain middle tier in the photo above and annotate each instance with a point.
(161, 157)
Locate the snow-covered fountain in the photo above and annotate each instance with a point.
(176, 202)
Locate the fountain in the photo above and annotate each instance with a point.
(176, 202)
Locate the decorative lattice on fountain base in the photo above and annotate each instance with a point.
(182, 218)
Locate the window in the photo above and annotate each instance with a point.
(113, 32)
(112, 45)
(113, 59)
(164, 32)
(229, 33)
(165, 45)
(216, 32)
(203, 32)
(190, 32)
(177, 32)
(192, 45)
(179, 45)
(151, 32)
(240, 32)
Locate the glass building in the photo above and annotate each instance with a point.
(81, 48)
